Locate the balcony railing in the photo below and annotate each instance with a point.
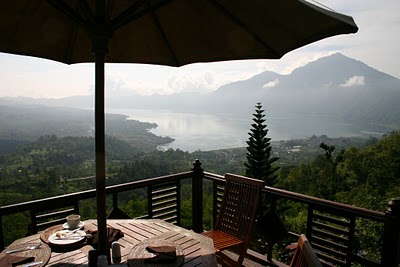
(331, 226)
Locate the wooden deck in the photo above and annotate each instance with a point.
(251, 263)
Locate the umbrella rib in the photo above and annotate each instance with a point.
(163, 35)
(84, 7)
(69, 52)
(68, 11)
(245, 28)
(131, 13)
(123, 18)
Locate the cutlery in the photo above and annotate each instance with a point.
(32, 264)
(71, 237)
(23, 249)
(72, 232)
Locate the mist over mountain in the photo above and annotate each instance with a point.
(335, 85)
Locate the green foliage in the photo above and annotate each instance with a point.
(222, 161)
(136, 206)
(328, 150)
(366, 177)
(259, 160)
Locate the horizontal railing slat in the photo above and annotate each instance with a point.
(53, 214)
(171, 208)
(331, 236)
(326, 218)
(163, 190)
(335, 253)
(163, 203)
(329, 243)
(164, 197)
(330, 228)
(329, 258)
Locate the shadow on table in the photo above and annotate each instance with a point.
(60, 249)
(141, 262)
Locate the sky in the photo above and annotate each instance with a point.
(376, 44)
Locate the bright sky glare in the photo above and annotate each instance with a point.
(375, 44)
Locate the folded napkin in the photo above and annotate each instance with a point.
(9, 260)
(113, 235)
(164, 254)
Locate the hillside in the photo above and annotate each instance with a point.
(26, 123)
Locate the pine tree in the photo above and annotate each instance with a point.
(259, 160)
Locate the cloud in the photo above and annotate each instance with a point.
(353, 81)
(202, 78)
(204, 81)
(191, 81)
(271, 84)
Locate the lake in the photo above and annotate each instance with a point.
(194, 131)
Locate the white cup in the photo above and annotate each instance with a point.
(73, 221)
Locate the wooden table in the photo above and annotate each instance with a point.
(197, 249)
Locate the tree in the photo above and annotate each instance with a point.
(259, 165)
(258, 156)
(328, 150)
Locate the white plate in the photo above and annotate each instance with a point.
(65, 226)
(73, 238)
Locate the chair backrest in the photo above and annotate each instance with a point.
(304, 256)
(239, 206)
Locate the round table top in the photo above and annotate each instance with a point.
(139, 253)
(42, 253)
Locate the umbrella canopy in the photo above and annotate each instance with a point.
(165, 32)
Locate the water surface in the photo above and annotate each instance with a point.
(195, 131)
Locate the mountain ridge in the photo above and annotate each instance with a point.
(335, 85)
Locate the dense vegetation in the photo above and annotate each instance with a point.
(39, 169)
(350, 170)
(365, 176)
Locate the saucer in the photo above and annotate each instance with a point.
(65, 226)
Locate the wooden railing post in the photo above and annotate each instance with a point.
(215, 202)
(197, 197)
(270, 246)
(115, 200)
(150, 201)
(1, 234)
(391, 232)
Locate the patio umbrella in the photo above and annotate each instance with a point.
(165, 32)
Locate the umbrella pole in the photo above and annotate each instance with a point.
(100, 153)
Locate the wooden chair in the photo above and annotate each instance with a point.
(236, 217)
(304, 255)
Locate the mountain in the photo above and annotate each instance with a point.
(335, 85)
